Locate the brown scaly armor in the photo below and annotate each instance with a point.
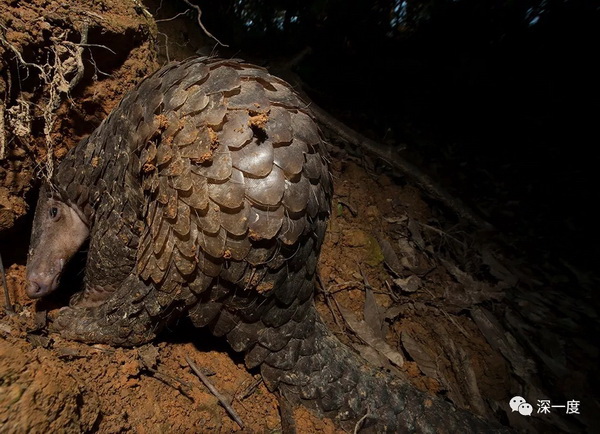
(206, 193)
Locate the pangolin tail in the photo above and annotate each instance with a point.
(315, 369)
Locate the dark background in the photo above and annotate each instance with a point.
(497, 100)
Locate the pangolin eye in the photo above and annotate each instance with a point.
(53, 212)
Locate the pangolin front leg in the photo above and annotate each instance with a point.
(121, 320)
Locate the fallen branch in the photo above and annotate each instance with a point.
(8, 304)
(215, 392)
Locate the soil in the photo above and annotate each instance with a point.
(111, 389)
(43, 33)
(430, 276)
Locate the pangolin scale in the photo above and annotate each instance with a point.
(206, 193)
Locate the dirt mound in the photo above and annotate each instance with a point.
(63, 68)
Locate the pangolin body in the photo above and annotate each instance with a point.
(206, 193)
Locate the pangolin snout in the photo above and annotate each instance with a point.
(41, 284)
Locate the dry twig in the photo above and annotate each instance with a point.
(173, 17)
(199, 12)
(246, 392)
(328, 294)
(360, 421)
(8, 304)
(215, 392)
(352, 210)
(171, 381)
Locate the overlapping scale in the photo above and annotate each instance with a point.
(244, 335)
(184, 182)
(196, 101)
(203, 313)
(151, 105)
(296, 193)
(251, 97)
(156, 273)
(185, 265)
(195, 73)
(237, 247)
(187, 135)
(236, 131)
(261, 253)
(134, 112)
(279, 125)
(148, 154)
(175, 97)
(177, 166)
(305, 128)
(170, 76)
(163, 192)
(322, 199)
(153, 217)
(187, 243)
(235, 221)
(214, 113)
(182, 224)
(313, 207)
(265, 224)
(144, 253)
(163, 257)
(221, 79)
(197, 196)
(164, 231)
(145, 129)
(283, 94)
(210, 266)
(172, 122)
(171, 208)
(233, 270)
(251, 71)
(290, 158)
(229, 194)
(255, 158)
(266, 191)
(164, 154)
(313, 166)
(218, 168)
(209, 219)
(292, 227)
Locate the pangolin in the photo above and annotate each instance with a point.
(206, 193)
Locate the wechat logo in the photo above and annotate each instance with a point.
(518, 403)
